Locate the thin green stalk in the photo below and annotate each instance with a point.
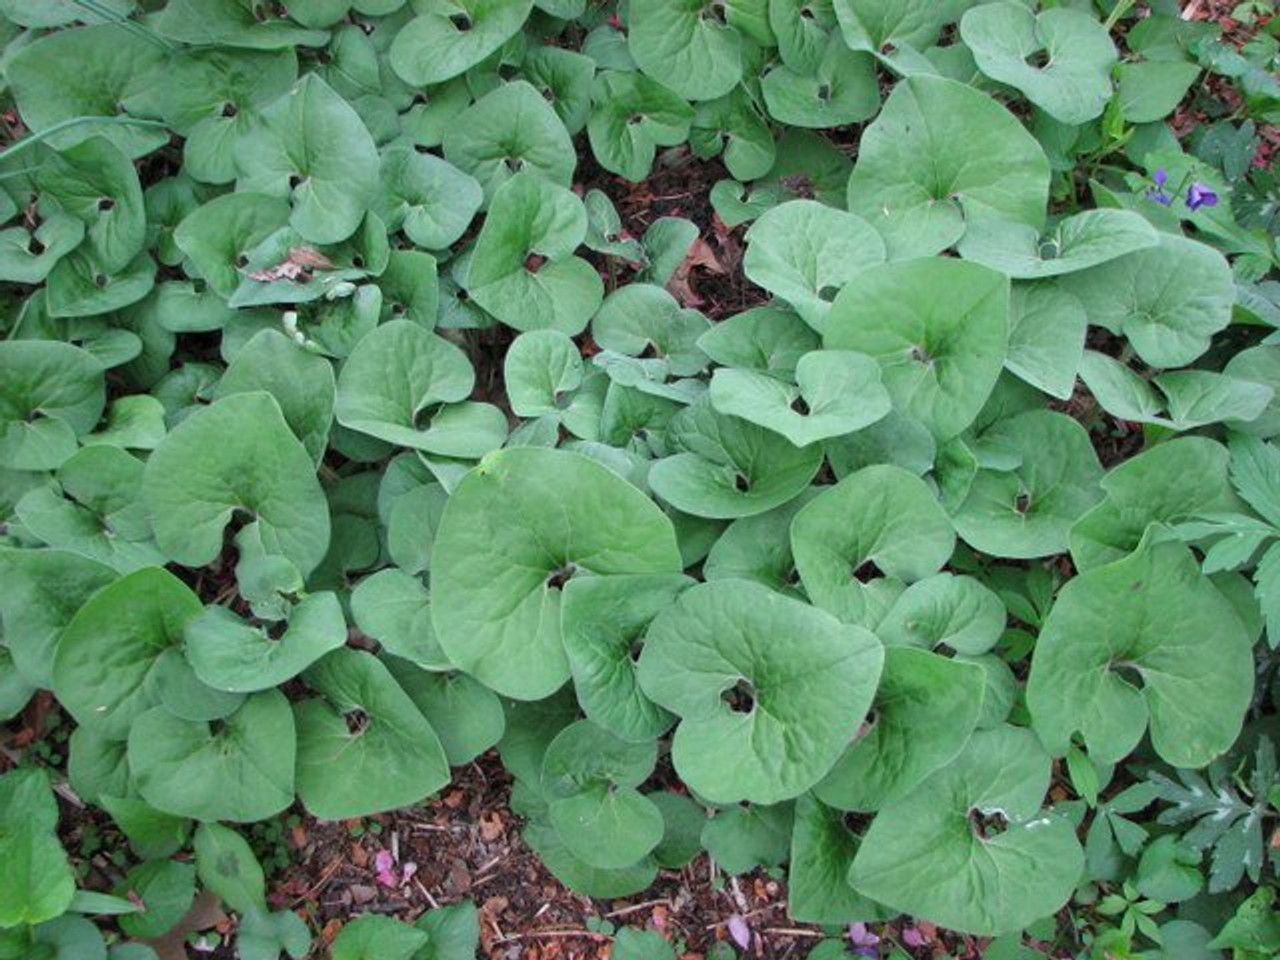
(138, 29)
(1120, 9)
(36, 138)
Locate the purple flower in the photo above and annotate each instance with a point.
(913, 937)
(1158, 195)
(740, 932)
(1200, 195)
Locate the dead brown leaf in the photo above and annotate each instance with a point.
(297, 267)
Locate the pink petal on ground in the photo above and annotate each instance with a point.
(740, 931)
(383, 863)
(913, 937)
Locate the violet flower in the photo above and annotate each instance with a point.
(1158, 195)
(739, 932)
(863, 940)
(1200, 195)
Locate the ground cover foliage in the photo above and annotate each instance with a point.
(345, 434)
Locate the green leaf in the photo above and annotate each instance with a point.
(28, 256)
(684, 820)
(228, 867)
(371, 937)
(393, 607)
(397, 376)
(682, 45)
(879, 26)
(603, 620)
(364, 747)
(940, 354)
(231, 23)
(1075, 243)
(430, 199)
(541, 370)
(759, 548)
(743, 837)
(301, 382)
(50, 394)
(449, 37)
(724, 467)
(466, 716)
(732, 127)
(236, 454)
(80, 286)
(218, 236)
(125, 627)
(166, 888)
(1169, 871)
(1125, 644)
(110, 63)
(1151, 91)
(508, 130)
(924, 712)
(40, 592)
(95, 182)
(769, 691)
(805, 252)
(632, 116)
(929, 854)
(940, 157)
(263, 935)
(1060, 60)
(515, 530)
(838, 392)
(1168, 300)
(37, 883)
(881, 525)
(313, 148)
(1170, 482)
(590, 777)
(453, 932)
(1047, 328)
(766, 339)
(582, 878)
(822, 850)
(840, 89)
(641, 945)
(229, 654)
(945, 610)
(523, 270)
(241, 771)
(1027, 512)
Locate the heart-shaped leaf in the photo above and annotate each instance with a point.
(925, 709)
(822, 850)
(313, 148)
(941, 156)
(1125, 645)
(229, 654)
(1026, 512)
(602, 621)
(642, 320)
(765, 709)
(110, 63)
(124, 628)
(430, 199)
(1168, 300)
(970, 848)
(939, 328)
(1060, 59)
(512, 535)
(242, 772)
(466, 715)
(1047, 328)
(837, 392)
(364, 747)
(449, 37)
(854, 540)
(523, 270)
(237, 454)
(632, 116)
(724, 467)
(805, 252)
(686, 45)
(50, 394)
(1076, 243)
(398, 376)
(508, 130)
